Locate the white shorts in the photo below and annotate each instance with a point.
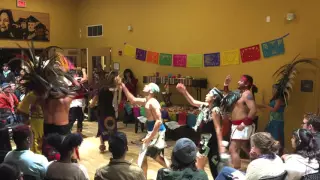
(245, 134)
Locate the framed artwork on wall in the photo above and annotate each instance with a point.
(306, 86)
(24, 25)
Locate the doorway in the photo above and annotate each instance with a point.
(98, 60)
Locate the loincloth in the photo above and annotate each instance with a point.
(244, 134)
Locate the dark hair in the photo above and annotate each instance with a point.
(176, 165)
(254, 88)
(306, 144)
(10, 171)
(10, 16)
(20, 134)
(64, 144)
(265, 142)
(128, 71)
(118, 145)
(314, 121)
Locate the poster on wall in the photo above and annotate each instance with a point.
(24, 25)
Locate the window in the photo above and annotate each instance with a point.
(95, 31)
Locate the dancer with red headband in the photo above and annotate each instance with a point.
(242, 108)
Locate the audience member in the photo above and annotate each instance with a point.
(29, 163)
(10, 172)
(6, 76)
(265, 161)
(184, 164)
(130, 81)
(118, 168)
(8, 101)
(305, 159)
(65, 169)
(312, 123)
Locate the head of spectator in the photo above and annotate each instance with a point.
(22, 72)
(6, 88)
(184, 155)
(311, 122)
(306, 118)
(304, 144)
(22, 136)
(65, 145)
(5, 67)
(118, 145)
(10, 172)
(263, 144)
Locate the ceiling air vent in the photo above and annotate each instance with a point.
(95, 30)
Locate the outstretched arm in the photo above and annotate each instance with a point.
(276, 107)
(226, 84)
(119, 95)
(182, 89)
(132, 98)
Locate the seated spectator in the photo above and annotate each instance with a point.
(6, 76)
(184, 163)
(312, 123)
(265, 163)
(10, 172)
(29, 163)
(65, 169)
(305, 159)
(118, 168)
(8, 101)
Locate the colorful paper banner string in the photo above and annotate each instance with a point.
(179, 60)
(129, 51)
(195, 60)
(141, 54)
(165, 59)
(153, 57)
(251, 53)
(230, 57)
(212, 59)
(247, 54)
(273, 48)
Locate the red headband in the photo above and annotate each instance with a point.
(245, 79)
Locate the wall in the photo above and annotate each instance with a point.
(179, 26)
(63, 27)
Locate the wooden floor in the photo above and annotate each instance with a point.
(92, 159)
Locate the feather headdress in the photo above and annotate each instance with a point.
(46, 75)
(286, 75)
(229, 100)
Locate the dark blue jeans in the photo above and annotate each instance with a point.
(226, 174)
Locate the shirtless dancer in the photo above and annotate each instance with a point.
(156, 130)
(242, 114)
